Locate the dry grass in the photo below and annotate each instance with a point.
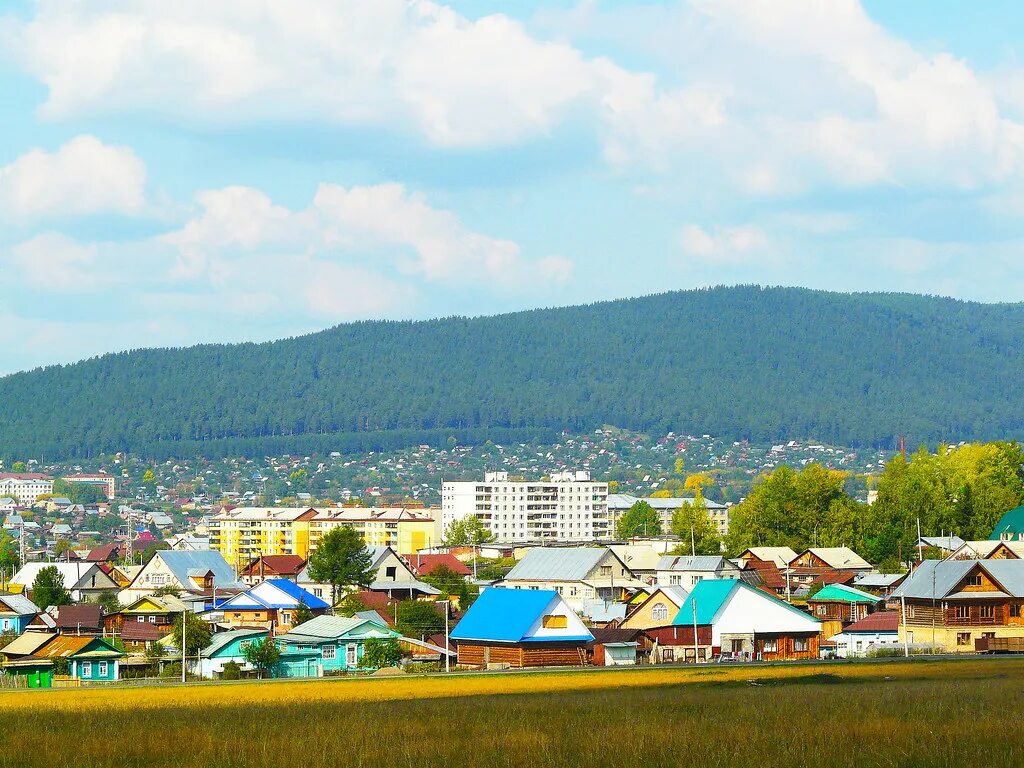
(934, 713)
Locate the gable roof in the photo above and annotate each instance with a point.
(72, 574)
(321, 628)
(711, 595)
(691, 563)
(18, 604)
(557, 564)
(1011, 523)
(781, 556)
(949, 543)
(879, 621)
(938, 578)
(291, 565)
(103, 553)
(222, 639)
(275, 593)
(182, 563)
(27, 643)
(84, 615)
(507, 615)
(840, 593)
(64, 646)
(837, 557)
(424, 565)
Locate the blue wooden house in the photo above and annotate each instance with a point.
(16, 612)
(86, 658)
(225, 647)
(328, 644)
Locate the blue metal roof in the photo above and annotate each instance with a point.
(503, 615)
(299, 594)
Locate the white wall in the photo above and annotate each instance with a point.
(747, 612)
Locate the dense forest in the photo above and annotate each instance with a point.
(765, 364)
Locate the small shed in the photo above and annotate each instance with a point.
(614, 647)
(521, 628)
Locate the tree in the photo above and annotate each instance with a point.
(48, 588)
(9, 560)
(61, 547)
(350, 605)
(452, 585)
(109, 602)
(379, 653)
(262, 654)
(197, 633)
(467, 532)
(341, 560)
(414, 618)
(232, 671)
(692, 519)
(639, 520)
(302, 614)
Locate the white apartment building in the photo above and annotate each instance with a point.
(25, 487)
(567, 507)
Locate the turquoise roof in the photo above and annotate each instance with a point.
(840, 593)
(1012, 522)
(709, 595)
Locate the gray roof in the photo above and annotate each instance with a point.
(18, 604)
(675, 592)
(327, 628)
(557, 564)
(1009, 574)
(877, 579)
(691, 563)
(183, 563)
(943, 542)
(403, 586)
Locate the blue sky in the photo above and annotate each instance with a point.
(173, 173)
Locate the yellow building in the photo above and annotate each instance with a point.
(245, 533)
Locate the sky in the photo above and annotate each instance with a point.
(186, 172)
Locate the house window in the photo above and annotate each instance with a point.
(675, 580)
(103, 669)
(140, 619)
(1015, 610)
(963, 638)
(286, 618)
(350, 655)
(390, 572)
(770, 646)
(606, 570)
(821, 610)
(659, 612)
(963, 612)
(152, 619)
(974, 581)
(736, 644)
(86, 669)
(987, 612)
(668, 654)
(555, 622)
(330, 652)
(800, 644)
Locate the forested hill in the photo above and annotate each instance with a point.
(744, 362)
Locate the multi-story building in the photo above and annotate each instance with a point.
(102, 479)
(26, 487)
(246, 533)
(567, 507)
(620, 503)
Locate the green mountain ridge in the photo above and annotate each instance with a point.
(745, 362)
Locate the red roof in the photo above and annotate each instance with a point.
(104, 553)
(771, 577)
(140, 632)
(880, 621)
(379, 602)
(275, 565)
(23, 476)
(424, 565)
(72, 618)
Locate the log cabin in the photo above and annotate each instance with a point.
(521, 628)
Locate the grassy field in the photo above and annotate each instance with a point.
(927, 713)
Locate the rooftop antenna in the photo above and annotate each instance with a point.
(131, 539)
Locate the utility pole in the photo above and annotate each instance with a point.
(131, 538)
(21, 543)
(903, 612)
(447, 643)
(693, 546)
(183, 623)
(920, 543)
(696, 647)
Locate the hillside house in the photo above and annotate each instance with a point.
(1010, 526)
(272, 567)
(657, 609)
(686, 570)
(226, 647)
(195, 572)
(521, 628)
(16, 612)
(577, 574)
(271, 604)
(837, 605)
(84, 581)
(989, 549)
(780, 556)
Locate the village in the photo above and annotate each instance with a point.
(506, 574)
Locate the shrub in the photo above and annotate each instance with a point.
(232, 671)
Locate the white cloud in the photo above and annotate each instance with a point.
(84, 176)
(57, 263)
(727, 245)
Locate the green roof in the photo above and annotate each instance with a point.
(1012, 522)
(709, 595)
(839, 593)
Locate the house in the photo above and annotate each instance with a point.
(226, 647)
(392, 576)
(744, 622)
(874, 631)
(156, 611)
(89, 659)
(878, 583)
(16, 611)
(657, 609)
(686, 570)
(329, 644)
(945, 545)
(766, 575)
(614, 647)
(989, 549)
(952, 604)
(84, 581)
(272, 567)
(423, 565)
(271, 604)
(578, 574)
(199, 572)
(188, 542)
(521, 628)
(825, 564)
(837, 605)
(107, 553)
(35, 672)
(780, 556)
(123, 575)
(83, 619)
(1010, 526)
(641, 559)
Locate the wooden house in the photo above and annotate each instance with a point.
(952, 604)
(521, 628)
(837, 605)
(828, 564)
(614, 647)
(329, 644)
(271, 604)
(996, 549)
(686, 570)
(875, 631)
(272, 567)
(16, 612)
(746, 623)
(88, 659)
(657, 609)
(226, 647)
(779, 556)
(157, 612)
(84, 581)
(1010, 526)
(577, 574)
(183, 571)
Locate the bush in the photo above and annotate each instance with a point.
(232, 671)
(423, 667)
(379, 653)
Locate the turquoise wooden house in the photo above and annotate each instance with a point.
(327, 644)
(225, 647)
